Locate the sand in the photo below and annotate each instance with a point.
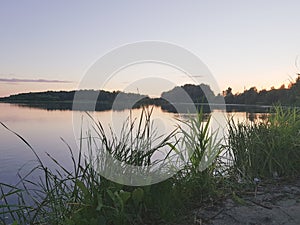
(274, 203)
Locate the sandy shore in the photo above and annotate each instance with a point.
(274, 203)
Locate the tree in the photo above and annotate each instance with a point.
(228, 96)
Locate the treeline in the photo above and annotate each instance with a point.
(64, 100)
(285, 96)
(61, 96)
(174, 100)
(178, 99)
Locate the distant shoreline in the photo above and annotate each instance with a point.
(179, 99)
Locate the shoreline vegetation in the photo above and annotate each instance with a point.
(201, 95)
(251, 154)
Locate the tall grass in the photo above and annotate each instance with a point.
(203, 148)
(84, 196)
(262, 149)
(268, 148)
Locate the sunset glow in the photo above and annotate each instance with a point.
(244, 44)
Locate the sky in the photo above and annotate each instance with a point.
(50, 45)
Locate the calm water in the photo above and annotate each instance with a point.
(43, 130)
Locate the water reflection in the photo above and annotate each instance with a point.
(43, 129)
(256, 117)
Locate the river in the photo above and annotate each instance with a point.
(43, 130)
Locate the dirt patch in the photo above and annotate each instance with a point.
(274, 203)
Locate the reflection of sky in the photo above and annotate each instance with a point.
(43, 129)
(244, 43)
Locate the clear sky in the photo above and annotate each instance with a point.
(49, 45)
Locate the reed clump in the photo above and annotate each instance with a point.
(84, 196)
(268, 148)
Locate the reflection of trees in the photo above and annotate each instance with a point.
(251, 116)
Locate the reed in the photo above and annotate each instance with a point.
(262, 149)
(202, 147)
(83, 196)
(269, 148)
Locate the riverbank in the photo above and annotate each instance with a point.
(275, 202)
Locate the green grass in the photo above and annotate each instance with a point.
(268, 148)
(84, 196)
(198, 177)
